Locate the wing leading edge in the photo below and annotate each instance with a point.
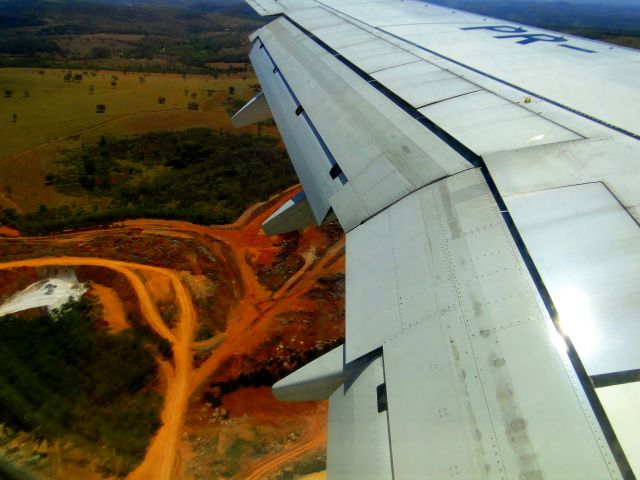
(491, 238)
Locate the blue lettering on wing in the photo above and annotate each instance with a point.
(528, 38)
(524, 37)
(498, 28)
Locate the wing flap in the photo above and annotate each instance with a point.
(310, 157)
(359, 445)
(429, 249)
(491, 389)
(620, 403)
(587, 249)
(572, 163)
(383, 153)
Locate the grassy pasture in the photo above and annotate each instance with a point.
(56, 115)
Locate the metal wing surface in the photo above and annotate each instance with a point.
(486, 175)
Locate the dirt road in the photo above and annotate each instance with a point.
(160, 462)
(114, 313)
(271, 465)
(247, 323)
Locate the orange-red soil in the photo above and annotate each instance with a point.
(8, 232)
(112, 306)
(240, 310)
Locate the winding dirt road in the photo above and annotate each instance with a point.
(162, 453)
(246, 323)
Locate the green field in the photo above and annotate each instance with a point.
(57, 115)
(48, 108)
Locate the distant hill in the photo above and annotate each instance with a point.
(168, 3)
(185, 36)
(233, 7)
(140, 3)
(629, 3)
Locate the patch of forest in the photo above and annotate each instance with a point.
(81, 34)
(196, 175)
(64, 377)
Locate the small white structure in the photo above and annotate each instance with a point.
(51, 293)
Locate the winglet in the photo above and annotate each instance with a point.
(315, 381)
(296, 214)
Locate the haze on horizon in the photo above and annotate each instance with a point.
(599, 3)
(624, 3)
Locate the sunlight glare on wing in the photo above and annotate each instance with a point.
(576, 319)
(537, 138)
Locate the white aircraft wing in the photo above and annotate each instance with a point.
(487, 177)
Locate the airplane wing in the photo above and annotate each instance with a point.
(486, 174)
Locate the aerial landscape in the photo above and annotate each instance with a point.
(145, 315)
